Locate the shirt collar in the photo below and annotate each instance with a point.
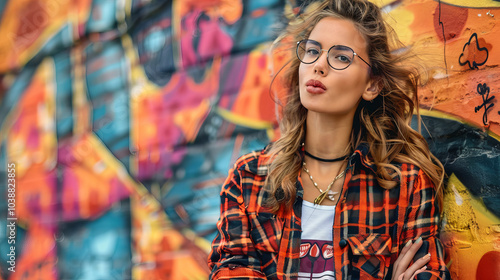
(261, 162)
(361, 156)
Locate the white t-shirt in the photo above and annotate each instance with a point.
(316, 250)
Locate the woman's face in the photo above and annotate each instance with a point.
(338, 92)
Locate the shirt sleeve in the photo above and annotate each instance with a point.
(233, 255)
(422, 219)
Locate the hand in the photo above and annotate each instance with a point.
(400, 270)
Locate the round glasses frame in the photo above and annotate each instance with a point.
(328, 54)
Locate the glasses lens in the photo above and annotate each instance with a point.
(340, 57)
(308, 51)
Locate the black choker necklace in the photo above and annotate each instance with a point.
(325, 159)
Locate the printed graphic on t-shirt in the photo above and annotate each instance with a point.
(316, 260)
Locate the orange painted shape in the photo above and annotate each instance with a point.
(421, 25)
(31, 145)
(94, 179)
(254, 100)
(29, 25)
(39, 257)
(190, 120)
(229, 10)
(459, 96)
(36, 195)
(475, 53)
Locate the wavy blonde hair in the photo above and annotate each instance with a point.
(384, 123)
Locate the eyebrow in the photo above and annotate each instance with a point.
(315, 42)
(342, 47)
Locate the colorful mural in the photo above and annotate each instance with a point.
(119, 121)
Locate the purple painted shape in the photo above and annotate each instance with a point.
(232, 76)
(117, 191)
(212, 42)
(33, 139)
(47, 215)
(65, 154)
(70, 205)
(168, 158)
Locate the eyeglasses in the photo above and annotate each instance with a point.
(339, 57)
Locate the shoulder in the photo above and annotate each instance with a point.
(256, 162)
(409, 170)
(247, 178)
(415, 179)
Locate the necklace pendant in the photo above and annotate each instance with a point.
(320, 198)
(331, 195)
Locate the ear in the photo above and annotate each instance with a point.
(372, 89)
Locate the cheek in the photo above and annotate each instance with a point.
(356, 80)
(301, 71)
(302, 76)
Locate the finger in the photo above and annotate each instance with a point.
(416, 266)
(401, 255)
(405, 260)
(406, 247)
(424, 268)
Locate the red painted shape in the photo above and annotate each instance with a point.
(453, 19)
(304, 248)
(489, 266)
(33, 19)
(327, 250)
(314, 251)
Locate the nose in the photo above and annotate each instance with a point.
(321, 65)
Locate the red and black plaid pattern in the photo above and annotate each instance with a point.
(371, 224)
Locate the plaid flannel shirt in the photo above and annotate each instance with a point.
(371, 224)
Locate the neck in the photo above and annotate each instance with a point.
(327, 136)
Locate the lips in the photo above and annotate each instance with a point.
(315, 87)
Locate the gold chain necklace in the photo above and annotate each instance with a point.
(329, 194)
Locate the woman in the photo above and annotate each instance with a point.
(349, 190)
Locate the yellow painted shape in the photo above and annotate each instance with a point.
(401, 19)
(473, 3)
(382, 3)
(142, 88)
(82, 109)
(156, 241)
(470, 229)
(240, 120)
(149, 224)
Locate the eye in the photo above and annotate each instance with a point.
(312, 51)
(343, 58)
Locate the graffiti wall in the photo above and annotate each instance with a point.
(119, 120)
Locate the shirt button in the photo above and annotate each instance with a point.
(343, 243)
